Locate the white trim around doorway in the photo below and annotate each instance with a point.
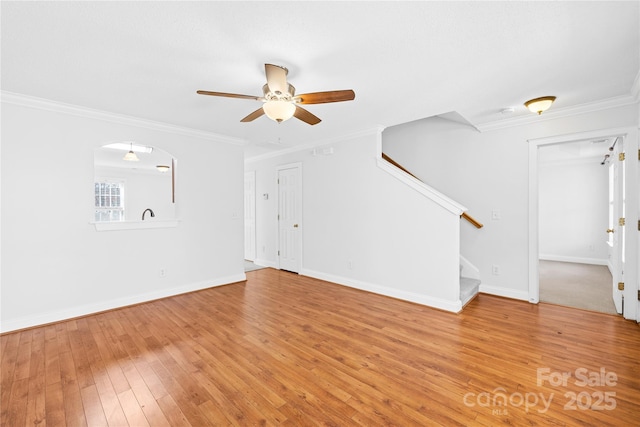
(631, 177)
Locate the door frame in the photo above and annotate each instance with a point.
(630, 135)
(296, 165)
(617, 243)
(252, 252)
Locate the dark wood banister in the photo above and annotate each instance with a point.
(464, 215)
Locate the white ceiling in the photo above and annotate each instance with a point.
(404, 60)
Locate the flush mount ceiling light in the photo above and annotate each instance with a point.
(131, 156)
(538, 105)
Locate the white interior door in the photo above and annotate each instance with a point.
(616, 230)
(250, 215)
(289, 217)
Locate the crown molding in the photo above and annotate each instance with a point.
(366, 132)
(76, 110)
(619, 101)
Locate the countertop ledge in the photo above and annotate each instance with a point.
(136, 225)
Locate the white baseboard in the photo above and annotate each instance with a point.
(439, 303)
(503, 292)
(578, 260)
(57, 316)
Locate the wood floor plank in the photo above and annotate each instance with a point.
(108, 396)
(111, 407)
(107, 350)
(215, 414)
(173, 413)
(36, 399)
(92, 406)
(23, 361)
(132, 410)
(7, 365)
(283, 349)
(143, 395)
(52, 362)
(171, 379)
(72, 399)
(16, 413)
(54, 405)
(79, 354)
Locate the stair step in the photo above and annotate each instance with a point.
(468, 289)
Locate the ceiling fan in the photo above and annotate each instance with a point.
(280, 99)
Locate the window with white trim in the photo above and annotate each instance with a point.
(109, 200)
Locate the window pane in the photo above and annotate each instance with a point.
(109, 201)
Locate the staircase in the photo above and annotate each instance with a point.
(469, 279)
(468, 289)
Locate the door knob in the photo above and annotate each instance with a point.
(610, 230)
(295, 225)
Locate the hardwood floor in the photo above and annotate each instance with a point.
(283, 349)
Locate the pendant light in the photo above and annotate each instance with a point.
(131, 156)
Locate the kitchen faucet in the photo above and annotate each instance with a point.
(148, 210)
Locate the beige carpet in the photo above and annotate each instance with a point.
(250, 266)
(583, 286)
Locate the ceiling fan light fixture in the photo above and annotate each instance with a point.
(539, 105)
(279, 111)
(280, 102)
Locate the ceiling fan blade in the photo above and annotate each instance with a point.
(276, 78)
(306, 116)
(251, 117)
(324, 97)
(228, 95)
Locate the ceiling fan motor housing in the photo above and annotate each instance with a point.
(277, 95)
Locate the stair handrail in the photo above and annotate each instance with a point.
(472, 220)
(398, 165)
(464, 215)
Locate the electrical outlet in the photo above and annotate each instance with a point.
(350, 265)
(495, 270)
(162, 272)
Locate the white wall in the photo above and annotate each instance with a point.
(396, 241)
(55, 265)
(488, 172)
(573, 210)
